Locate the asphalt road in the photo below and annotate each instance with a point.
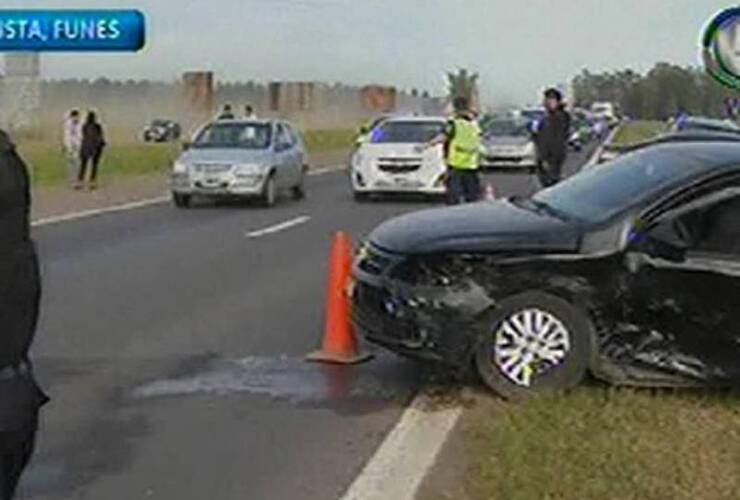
(171, 342)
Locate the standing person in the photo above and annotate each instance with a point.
(20, 395)
(552, 139)
(462, 141)
(93, 142)
(71, 143)
(249, 113)
(226, 113)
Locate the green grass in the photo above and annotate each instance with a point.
(606, 444)
(637, 131)
(321, 141)
(48, 164)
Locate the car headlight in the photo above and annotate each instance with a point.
(248, 170)
(179, 168)
(357, 160)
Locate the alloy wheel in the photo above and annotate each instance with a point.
(529, 343)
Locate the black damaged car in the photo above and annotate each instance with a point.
(630, 271)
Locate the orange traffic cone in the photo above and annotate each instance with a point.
(490, 192)
(340, 343)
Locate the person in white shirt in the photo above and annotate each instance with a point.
(72, 142)
(249, 113)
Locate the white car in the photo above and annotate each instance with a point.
(393, 161)
(508, 143)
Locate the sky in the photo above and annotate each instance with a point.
(517, 46)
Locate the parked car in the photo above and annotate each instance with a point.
(161, 131)
(390, 161)
(631, 272)
(240, 158)
(508, 143)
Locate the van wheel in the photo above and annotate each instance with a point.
(537, 343)
(269, 192)
(181, 200)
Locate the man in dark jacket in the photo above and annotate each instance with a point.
(20, 396)
(552, 139)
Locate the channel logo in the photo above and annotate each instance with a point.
(721, 47)
(72, 30)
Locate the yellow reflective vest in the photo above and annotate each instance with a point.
(464, 148)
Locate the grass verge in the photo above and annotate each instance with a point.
(637, 131)
(48, 164)
(599, 443)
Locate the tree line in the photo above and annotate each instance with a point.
(658, 94)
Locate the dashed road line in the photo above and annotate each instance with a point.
(278, 227)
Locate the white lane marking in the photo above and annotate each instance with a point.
(399, 465)
(141, 203)
(278, 227)
(98, 211)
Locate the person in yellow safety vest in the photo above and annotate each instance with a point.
(462, 142)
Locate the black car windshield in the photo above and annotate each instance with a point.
(406, 132)
(234, 135)
(506, 128)
(602, 192)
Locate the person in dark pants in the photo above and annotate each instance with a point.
(20, 290)
(461, 140)
(552, 139)
(93, 142)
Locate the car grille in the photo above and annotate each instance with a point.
(212, 168)
(500, 158)
(399, 165)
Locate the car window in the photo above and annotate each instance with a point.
(234, 135)
(410, 132)
(598, 194)
(708, 224)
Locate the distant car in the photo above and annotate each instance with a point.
(240, 159)
(606, 111)
(581, 132)
(161, 131)
(694, 123)
(390, 160)
(630, 272)
(508, 143)
(533, 117)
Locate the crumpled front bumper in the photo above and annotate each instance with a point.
(439, 323)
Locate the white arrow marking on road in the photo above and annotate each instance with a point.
(279, 227)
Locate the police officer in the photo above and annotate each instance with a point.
(20, 396)
(552, 139)
(462, 141)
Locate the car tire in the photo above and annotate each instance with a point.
(299, 190)
(181, 200)
(269, 192)
(567, 346)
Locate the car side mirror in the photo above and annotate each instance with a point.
(364, 129)
(186, 145)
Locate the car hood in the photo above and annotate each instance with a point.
(507, 140)
(225, 155)
(401, 150)
(476, 227)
